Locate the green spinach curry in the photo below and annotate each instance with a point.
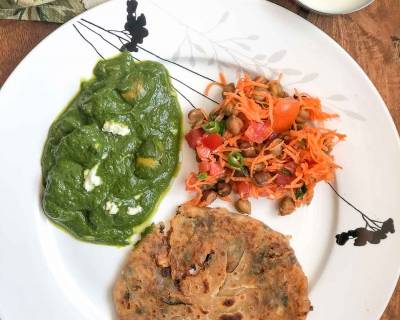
(112, 153)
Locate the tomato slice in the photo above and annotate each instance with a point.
(204, 166)
(193, 137)
(203, 152)
(258, 131)
(242, 188)
(215, 169)
(283, 179)
(212, 141)
(291, 166)
(284, 114)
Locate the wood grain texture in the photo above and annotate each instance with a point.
(371, 36)
(17, 38)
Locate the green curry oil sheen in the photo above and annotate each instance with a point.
(112, 153)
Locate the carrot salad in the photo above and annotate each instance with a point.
(260, 142)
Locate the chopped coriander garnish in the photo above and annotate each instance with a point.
(300, 192)
(222, 127)
(286, 172)
(202, 175)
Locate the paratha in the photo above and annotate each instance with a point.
(212, 264)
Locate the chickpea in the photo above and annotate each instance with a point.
(259, 166)
(247, 149)
(277, 149)
(230, 109)
(223, 189)
(249, 152)
(209, 197)
(303, 116)
(261, 178)
(261, 79)
(204, 187)
(244, 144)
(195, 116)
(259, 147)
(286, 206)
(230, 87)
(234, 125)
(276, 89)
(243, 206)
(238, 173)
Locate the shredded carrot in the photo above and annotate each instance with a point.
(221, 83)
(293, 161)
(222, 78)
(210, 85)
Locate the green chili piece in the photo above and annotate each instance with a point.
(286, 172)
(214, 127)
(211, 127)
(235, 160)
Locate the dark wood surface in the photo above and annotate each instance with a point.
(371, 36)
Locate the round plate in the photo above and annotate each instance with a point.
(46, 274)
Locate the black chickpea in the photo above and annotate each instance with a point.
(234, 124)
(223, 189)
(230, 87)
(204, 187)
(243, 206)
(230, 109)
(277, 149)
(244, 144)
(209, 197)
(259, 166)
(247, 149)
(249, 152)
(286, 206)
(261, 178)
(195, 116)
(239, 173)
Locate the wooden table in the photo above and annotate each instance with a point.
(371, 36)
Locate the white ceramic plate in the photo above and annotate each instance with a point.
(46, 274)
